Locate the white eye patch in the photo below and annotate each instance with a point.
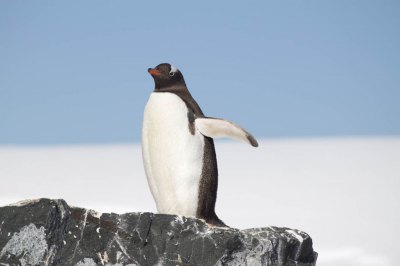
(173, 70)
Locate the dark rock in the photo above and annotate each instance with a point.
(49, 232)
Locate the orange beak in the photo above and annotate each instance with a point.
(153, 72)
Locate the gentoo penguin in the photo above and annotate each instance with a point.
(178, 148)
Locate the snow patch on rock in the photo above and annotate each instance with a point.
(30, 243)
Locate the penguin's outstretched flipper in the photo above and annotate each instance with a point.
(219, 128)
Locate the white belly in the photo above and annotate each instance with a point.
(172, 155)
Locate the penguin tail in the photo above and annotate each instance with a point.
(215, 221)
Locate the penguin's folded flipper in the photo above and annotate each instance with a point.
(217, 128)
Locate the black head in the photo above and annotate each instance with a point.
(167, 77)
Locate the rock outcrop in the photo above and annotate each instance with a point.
(49, 232)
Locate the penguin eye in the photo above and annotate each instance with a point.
(171, 73)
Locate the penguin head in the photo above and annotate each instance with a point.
(166, 76)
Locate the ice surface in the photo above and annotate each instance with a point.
(343, 192)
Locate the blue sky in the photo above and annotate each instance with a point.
(75, 72)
